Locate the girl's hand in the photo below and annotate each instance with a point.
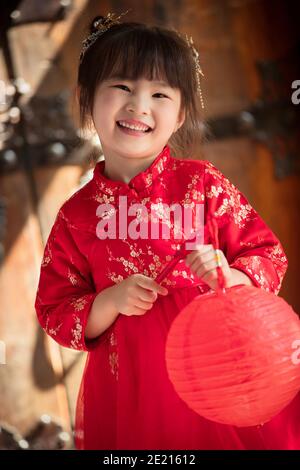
(136, 294)
(204, 261)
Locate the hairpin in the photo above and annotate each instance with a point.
(197, 67)
(101, 25)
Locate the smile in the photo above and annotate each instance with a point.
(133, 130)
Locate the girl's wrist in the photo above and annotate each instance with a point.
(238, 277)
(110, 296)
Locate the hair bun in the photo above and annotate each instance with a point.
(97, 20)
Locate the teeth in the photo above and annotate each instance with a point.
(134, 127)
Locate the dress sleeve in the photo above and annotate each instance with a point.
(247, 242)
(65, 291)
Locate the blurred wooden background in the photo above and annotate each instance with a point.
(249, 54)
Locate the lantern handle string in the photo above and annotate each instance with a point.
(212, 226)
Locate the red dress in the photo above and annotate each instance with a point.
(126, 400)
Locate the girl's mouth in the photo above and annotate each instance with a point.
(134, 132)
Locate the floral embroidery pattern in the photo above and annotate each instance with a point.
(214, 192)
(129, 263)
(73, 278)
(79, 304)
(113, 276)
(76, 332)
(50, 330)
(193, 193)
(276, 255)
(254, 266)
(103, 198)
(113, 357)
(48, 256)
(231, 204)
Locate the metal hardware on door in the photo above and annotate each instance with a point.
(272, 119)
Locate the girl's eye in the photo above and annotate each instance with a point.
(161, 94)
(124, 86)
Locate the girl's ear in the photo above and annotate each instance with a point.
(181, 119)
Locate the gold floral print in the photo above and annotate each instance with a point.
(135, 261)
(67, 220)
(73, 278)
(129, 266)
(114, 363)
(104, 188)
(76, 333)
(113, 357)
(149, 179)
(276, 255)
(114, 277)
(49, 330)
(256, 267)
(214, 192)
(112, 339)
(47, 258)
(103, 198)
(231, 204)
(79, 304)
(193, 194)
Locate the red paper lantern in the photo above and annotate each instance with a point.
(229, 355)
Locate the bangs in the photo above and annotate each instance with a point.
(148, 54)
(133, 51)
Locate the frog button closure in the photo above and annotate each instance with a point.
(133, 191)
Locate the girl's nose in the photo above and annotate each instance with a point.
(138, 105)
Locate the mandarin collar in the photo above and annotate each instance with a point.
(139, 182)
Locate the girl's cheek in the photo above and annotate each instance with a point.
(104, 101)
(109, 97)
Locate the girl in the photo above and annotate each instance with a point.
(139, 87)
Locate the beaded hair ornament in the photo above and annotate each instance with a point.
(102, 24)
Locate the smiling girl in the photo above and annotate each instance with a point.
(138, 86)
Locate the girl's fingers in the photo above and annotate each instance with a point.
(149, 284)
(205, 252)
(143, 305)
(145, 294)
(211, 256)
(201, 268)
(204, 262)
(197, 261)
(205, 266)
(211, 274)
(137, 311)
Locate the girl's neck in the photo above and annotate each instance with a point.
(119, 168)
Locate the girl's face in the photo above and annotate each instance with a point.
(137, 102)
